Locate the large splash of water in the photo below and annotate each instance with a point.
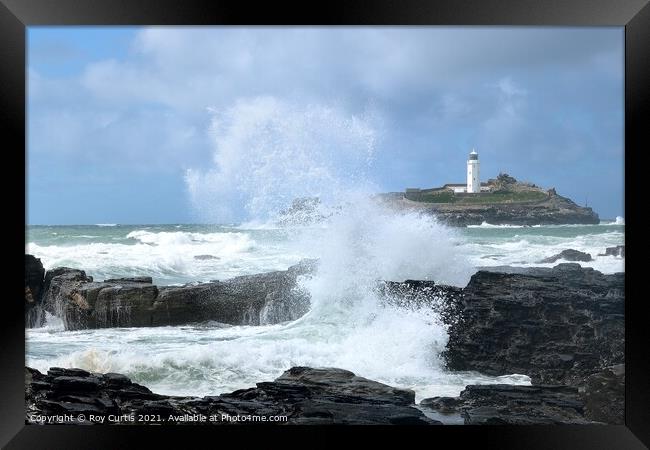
(268, 153)
(348, 326)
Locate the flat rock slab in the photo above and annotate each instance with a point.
(83, 303)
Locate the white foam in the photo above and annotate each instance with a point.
(529, 250)
(169, 257)
(489, 225)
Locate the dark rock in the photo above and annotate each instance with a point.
(445, 405)
(61, 372)
(203, 302)
(205, 257)
(503, 404)
(555, 325)
(246, 300)
(604, 395)
(303, 211)
(415, 294)
(34, 280)
(134, 302)
(285, 300)
(116, 379)
(61, 297)
(568, 255)
(66, 407)
(147, 280)
(619, 250)
(75, 383)
(304, 395)
(67, 272)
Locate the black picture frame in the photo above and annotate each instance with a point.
(634, 15)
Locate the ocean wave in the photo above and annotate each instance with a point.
(489, 225)
(390, 346)
(231, 242)
(529, 253)
(169, 257)
(618, 221)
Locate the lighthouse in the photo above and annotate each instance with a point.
(473, 181)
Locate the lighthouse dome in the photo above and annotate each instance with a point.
(473, 155)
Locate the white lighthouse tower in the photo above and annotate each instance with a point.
(473, 180)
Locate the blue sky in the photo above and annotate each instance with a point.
(177, 125)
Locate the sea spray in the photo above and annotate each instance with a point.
(269, 152)
(357, 247)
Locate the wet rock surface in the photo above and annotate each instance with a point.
(555, 325)
(568, 255)
(604, 395)
(599, 398)
(503, 404)
(415, 294)
(562, 326)
(205, 257)
(619, 251)
(258, 299)
(303, 395)
(34, 281)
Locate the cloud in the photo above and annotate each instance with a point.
(188, 67)
(527, 98)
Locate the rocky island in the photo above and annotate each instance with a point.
(501, 201)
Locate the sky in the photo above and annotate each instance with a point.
(207, 124)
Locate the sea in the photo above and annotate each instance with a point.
(346, 327)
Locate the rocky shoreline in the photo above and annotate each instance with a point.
(564, 327)
(309, 396)
(561, 326)
(302, 395)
